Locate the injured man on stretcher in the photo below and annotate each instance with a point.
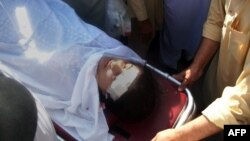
(67, 64)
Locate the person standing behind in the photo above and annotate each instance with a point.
(226, 86)
(111, 16)
(146, 19)
(182, 31)
(133, 22)
(91, 11)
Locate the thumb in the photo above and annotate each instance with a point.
(183, 85)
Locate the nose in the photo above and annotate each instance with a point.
(117, 68)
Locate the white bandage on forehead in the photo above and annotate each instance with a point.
(122, 82)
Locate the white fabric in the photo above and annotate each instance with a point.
(45, 130)
(118, 21)
(54, 54)
(122, 82)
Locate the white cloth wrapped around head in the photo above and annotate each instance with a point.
(121, 84)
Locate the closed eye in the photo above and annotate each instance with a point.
(127, 66)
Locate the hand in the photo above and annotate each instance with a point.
(146, 30)
(188, 77)
(169, 135)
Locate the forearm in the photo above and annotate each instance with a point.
(205, 53)
(198, 129)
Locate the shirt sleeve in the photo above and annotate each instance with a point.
(213, 26)
(139, 9)
(233, 107)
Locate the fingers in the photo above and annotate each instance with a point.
(179, 76)
(183, 85)
(183, 78)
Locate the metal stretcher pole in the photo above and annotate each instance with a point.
(189, 108)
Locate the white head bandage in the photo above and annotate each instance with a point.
(122, 82)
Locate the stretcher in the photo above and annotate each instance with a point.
(172, 110)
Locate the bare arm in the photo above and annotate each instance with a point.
(194, 130)
(205, 53)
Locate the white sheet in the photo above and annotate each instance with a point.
(44, 130)
(54, 54)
